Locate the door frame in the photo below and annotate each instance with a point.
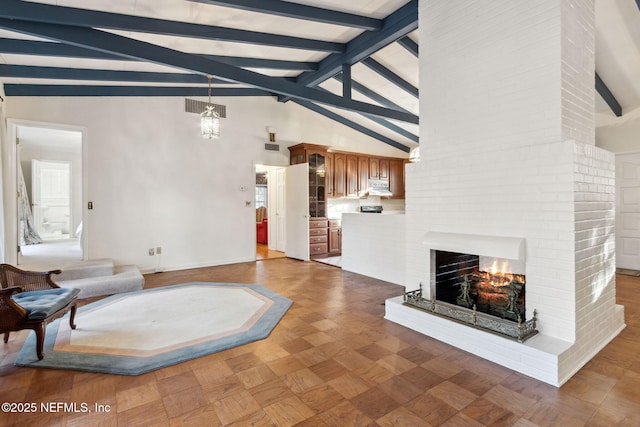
(10, 181)
(270, 209)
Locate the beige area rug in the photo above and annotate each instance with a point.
(137, 332)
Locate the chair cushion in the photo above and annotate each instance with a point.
(42, 304)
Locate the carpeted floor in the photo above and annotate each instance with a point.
(137, 332)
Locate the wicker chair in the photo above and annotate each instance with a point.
(30, 300)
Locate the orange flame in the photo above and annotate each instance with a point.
(498, 276)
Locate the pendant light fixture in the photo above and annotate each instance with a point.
(210, 119)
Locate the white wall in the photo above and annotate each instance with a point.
(619, 134)
(155, 182)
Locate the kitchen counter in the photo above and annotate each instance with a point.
(373, 244)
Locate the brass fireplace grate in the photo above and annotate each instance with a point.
(520, 331)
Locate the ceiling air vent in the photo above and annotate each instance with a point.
(198, 107)
(271, 147)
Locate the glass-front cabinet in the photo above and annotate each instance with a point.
(317, 185)
(320, 184)
(320, 189)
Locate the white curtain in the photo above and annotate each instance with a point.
(27, 233)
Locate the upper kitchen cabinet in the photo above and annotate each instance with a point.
(363, 174)
(339, 174)
(319, 175)
(317, 185)
(300, 153)
(352, 175)
(335, 174)
(383, 169)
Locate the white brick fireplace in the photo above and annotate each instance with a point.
(508, 152)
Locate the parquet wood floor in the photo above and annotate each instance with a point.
(334, 361)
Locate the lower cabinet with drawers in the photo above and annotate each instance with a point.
(325, 237)
(318, 237)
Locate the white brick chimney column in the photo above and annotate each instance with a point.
(507, 149)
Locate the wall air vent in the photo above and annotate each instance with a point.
(271, 147)
(194, 106)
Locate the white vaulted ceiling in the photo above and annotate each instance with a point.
(263, 48)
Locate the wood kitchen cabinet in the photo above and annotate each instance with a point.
(352, 175)
(363, 174)
(339, 175)
(374, 168)
(317, 185)
(329, 182)
(335, 237)
(335, 174)
(300, 153)
(319, 175)
(383, 169)
(318, 237)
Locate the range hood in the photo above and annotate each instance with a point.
(378, 187)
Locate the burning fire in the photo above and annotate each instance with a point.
(500, 276)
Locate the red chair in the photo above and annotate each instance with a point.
(262, 231)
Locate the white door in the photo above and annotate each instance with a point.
(51, 188)
(297, 211)
(628, 211)
(279, 225)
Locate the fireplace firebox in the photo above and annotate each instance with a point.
(480, 291)
(494, 290)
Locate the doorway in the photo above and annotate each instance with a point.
(50, 182)
(270, 216)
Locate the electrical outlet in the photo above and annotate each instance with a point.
(152, 251)
(159, 250)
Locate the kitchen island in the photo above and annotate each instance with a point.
(373, 244)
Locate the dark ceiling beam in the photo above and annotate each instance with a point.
(113, 43)
(395, 128)
(24, 71)
(271, 64)
(42, 48)
(395, 26)
(44, 13)
(87, 90)
(608, 97)
(351, 124)
(410, 45)
(374, 96)
(38, 72)
(389, 125)
(391, 76)
(346, 81)
(300, 11)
